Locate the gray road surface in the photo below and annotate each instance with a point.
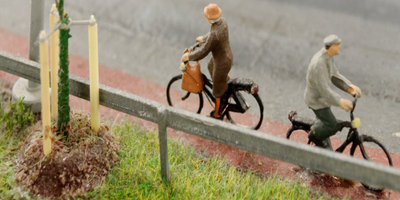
(272, 42)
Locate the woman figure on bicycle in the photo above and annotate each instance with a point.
(320, 97)
(216, 42)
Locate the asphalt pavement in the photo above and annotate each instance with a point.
(272, 43)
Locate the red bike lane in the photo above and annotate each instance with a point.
(18, 45)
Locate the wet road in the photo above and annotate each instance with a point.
(272, 42)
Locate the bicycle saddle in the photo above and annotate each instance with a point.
(300, 121)
(242, 84)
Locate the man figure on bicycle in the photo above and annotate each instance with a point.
(320, 97)
(216, 42)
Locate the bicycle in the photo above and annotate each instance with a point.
(353, 137)
(241, 97)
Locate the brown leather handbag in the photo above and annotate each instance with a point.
(192, 79)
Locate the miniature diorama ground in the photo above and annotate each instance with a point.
(244, 161)
(76, 166)
(241, 160)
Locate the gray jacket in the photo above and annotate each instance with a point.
(321, 71)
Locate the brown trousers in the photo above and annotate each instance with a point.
(219, 76)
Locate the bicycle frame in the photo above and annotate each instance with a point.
(352, 137)
(300, 123)
(233, 101)
(237, 107)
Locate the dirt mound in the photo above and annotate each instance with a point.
(74, 166)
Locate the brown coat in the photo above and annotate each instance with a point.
(216, 42)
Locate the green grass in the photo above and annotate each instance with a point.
(8, 189)
(137, 175)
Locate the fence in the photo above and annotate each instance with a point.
(265, 144)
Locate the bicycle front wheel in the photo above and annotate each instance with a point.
(373, 150)
(300, 135)
(177, 97)
(254, 114)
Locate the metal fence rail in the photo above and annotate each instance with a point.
(265, 144)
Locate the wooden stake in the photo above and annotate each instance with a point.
(44, 82)
(54, 63)
(94, 74)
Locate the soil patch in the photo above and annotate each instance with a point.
(75, 165)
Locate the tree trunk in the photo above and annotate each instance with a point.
(63, 85)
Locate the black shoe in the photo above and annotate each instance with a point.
(212, 115)
(326, 144)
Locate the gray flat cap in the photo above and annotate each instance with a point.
(332, 39)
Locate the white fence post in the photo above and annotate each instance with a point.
(26, 88)
(162, 137)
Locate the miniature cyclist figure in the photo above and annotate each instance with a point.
(217, 42)
(320, 97)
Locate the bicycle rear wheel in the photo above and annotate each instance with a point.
(177, 97)
(253, 116)
(373, 150)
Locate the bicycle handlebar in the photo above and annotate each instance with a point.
(192, 48)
